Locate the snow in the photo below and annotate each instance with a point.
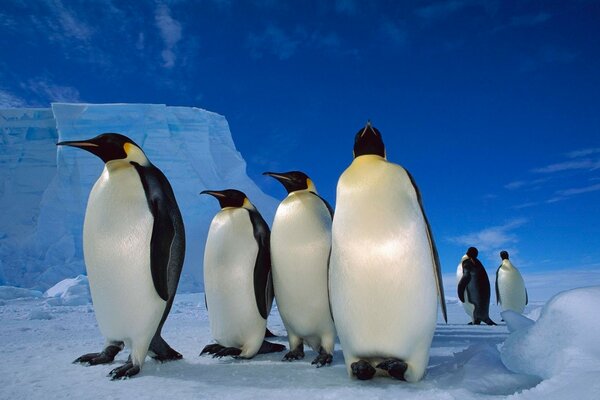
(555, 357)
(11, 292)
(44, 188)
(70, 292)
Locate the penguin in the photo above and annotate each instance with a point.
(510, 286)
(384, 272)
(300, 246)
(467, 305)
(134, 247)
(237, 278)
(476, 284)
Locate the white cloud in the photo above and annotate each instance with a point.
(9, 100)
(564, 194)
(274, 40)
(71, 25)
(583, 152)
(586, 164)
(52, 92)
(492, 238)
(170, 32)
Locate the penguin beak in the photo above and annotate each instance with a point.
(280, 177)
(214, 193)
(78, 143)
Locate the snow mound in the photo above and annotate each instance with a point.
(515, 321)
(70, 292)
(39, 314)
(561, 347)
(11, 293)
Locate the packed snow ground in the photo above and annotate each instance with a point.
(556, 358)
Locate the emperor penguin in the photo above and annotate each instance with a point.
(510, 286)
(134, 246)
(467, 305)
(384, 270)
(237, 278)
(300, 247)
(476, 285)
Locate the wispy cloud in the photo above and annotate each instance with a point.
(394, 32)
(529, 184)
(585, 164)
(583, 152)
(564, 194)
(9, 100)
(348, 7)
(492, 238)
(71, 25)
(440, 9)
(273, 40)
(52, 92)
(530, 19)
(170, 32)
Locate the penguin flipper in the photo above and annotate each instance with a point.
(167, 244)
(437, 269)
(263, 283)
(462, 285)
(498, 301)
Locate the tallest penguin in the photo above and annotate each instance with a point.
(384, 271)
(133, 245)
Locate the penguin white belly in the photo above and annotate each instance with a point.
(116, 243)
(229, 260)
(512, 290)
(300, 245)
(383, 290)
(467, 305)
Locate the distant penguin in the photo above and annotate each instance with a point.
(237, 278)
(476, 284)
(384, 271)
(134, 246)
(467, 305)
(510, 286)
(300, 247)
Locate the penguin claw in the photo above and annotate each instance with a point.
(296, 354)
(396, 368)
(106, 356)
(362, 370)
(212, 349)
(228, 351)
(125, 371)
(322, 359)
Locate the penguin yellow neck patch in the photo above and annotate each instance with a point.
(134, 153)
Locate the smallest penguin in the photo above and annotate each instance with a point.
(510, 286)
(237, 278)
(476, 284)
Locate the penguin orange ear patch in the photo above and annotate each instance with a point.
(127, 147)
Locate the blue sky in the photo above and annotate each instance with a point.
(493, 106)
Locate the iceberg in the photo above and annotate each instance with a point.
(44, 188)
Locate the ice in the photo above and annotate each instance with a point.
(11, 293)
(467, 362)
(562, 346)
(70, 292)
(515, 321)
(44, 189)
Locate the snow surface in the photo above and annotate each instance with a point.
(556, 357)
(44, 188)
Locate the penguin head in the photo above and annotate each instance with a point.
(504, 255)
(293, 181)
(472, 252)
(111, 147)
(230, 198)
(368, 141)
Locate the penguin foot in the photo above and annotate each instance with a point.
(105, 357)
(396, 368)
(489, 322)
(362, 370)
(162, 352)
(268, 333)
(212, 348)
(228, 351)
(296, 354)
(268, 347)
(322, 359)
(125, 371)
